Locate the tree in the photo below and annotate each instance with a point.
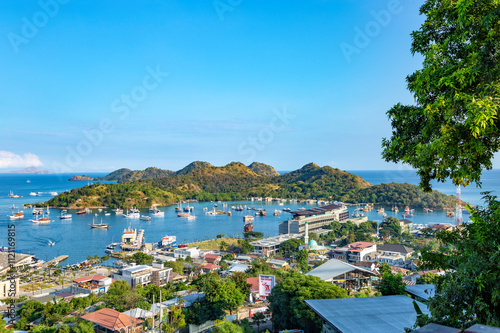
(286, 301)
(390, 284)
(303, 260)
(223, 246)
(141, 258)
(454, 129)
(240, 279)
(228, 327)
(202, 311)
(259, 318)
(428, 278)
(470, 289)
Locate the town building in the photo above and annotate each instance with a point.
(143, 275)
(91, 284)
(344, 275)
(355, 252)
(18, 261)
(186, 252)
(316, 218)
(394, 254)
(209, 268)
(9, 288)
(268, 247)
(111, 321)
(213, 258)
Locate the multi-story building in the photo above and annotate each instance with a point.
(91, 284)
(316, 218)
(185, 252)
(143, 275)
(356, 252)
(9, 288)
(270, 246)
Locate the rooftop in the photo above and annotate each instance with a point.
(135, 269)
(333, 268)
(89, 278)
(360, 245)
(111, 319)
(422, 291)
(395, 248)
(371, 314)
(271, 241)
(316, 210)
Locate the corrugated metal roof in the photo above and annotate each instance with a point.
(333, 268)
(316, 211)
(371, 314)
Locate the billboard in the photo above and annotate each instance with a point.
(266, 284)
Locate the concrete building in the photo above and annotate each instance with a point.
(315, 217)
(91, 284)
(356, 252)
(9, 288)
(143, 275)
(18, 260)
(187, 252)
(270, 246)
(394, 254)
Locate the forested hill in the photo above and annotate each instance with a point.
(235, 181)
(124, 175)
(263, 169)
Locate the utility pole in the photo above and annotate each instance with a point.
(458, 208)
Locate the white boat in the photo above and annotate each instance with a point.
(108, 251)
(107, 214)
(99, 225)
(33, 194)
(12, 195)
(132, 215)
(118, 211)
(43, 220)
(51, 243)
(211, 212)
(145, 218)
(17, 216)
(28, 181)
(65, 215)
(53, 193)
(191, 217)
(37, 211)
(158, 213)
(168, 240)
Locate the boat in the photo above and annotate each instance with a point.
(168, 240)
(406, 215)
(260, 212)
(108, 251)
(191, 217)
(407, 210)
(43, 220)
(248, 227)
(153, 208)
(37, 211)
(51, 243)
(287, 210)
(48, 211)
(211, 212)
(107, 214)
(248, 218)
(33, 194)
(81, 212)
(13, 207)
(28, 181)
(53, 193)
(276, 212)
(145, 218)
(221, 212)
(427, 210)
(157, 213)
(65, 215)
(189, 208)
(17, 216)
(239, 209)
(229, 213)
(302, 208)
(99, 225)
(179, 207)
(395, 209)
(12, 195)
(182, 215)
(281, 203)
(118, 211)
(133, 214)
(381, 210)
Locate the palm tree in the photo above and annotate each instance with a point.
(258, 318)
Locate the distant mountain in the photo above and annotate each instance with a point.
(116, 176)
(32, 170)
(194, 166)
(263, 169)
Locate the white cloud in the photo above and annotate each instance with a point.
(11, 160)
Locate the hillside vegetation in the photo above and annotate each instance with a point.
(235, 181)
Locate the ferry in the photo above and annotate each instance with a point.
(168, 240)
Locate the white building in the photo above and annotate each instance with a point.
(143, 275)
(270, 246)
(315, 217)
(187, 252)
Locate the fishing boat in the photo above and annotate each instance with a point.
(145, 218)
(17, 216)
(248, 218)
(65, 215)
(99, 225)
(81, 212)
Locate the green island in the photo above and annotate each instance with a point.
(204, 182)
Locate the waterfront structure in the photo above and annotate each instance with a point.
(316, 218)
(185, 252)
(91, 284)
(18, 261)
(111, 321)
(344, 275)
(356, 252)
(370, 314)
(143, 275)
(270, 246)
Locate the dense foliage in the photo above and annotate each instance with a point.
(470, 291)
(286, 301)
(453, 130)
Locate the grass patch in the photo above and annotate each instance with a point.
(214, 244)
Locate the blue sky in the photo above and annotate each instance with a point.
(96, 86)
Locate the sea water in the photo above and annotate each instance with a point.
(76, 239)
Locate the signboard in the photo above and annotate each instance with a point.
(257, 310)
(266, 284)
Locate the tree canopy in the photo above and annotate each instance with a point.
(453, 130)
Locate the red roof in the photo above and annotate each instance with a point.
(212, 256)
(361, 245)
(111, 319)
(88, 278)
(254, 284)
(210, 266)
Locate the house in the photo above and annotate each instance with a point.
(355, 252)
(213, 258)
(278, 264)
(143, 275)
(185, 252)
(209, 268)
(369, 266)
(394, 254)
(344, 275)
(254, 288)
(405, 225)
(139, 313)
(91, 284)
(419, 274)
(111, 321)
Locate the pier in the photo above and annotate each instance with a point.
(55, 261)
(137, 244)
